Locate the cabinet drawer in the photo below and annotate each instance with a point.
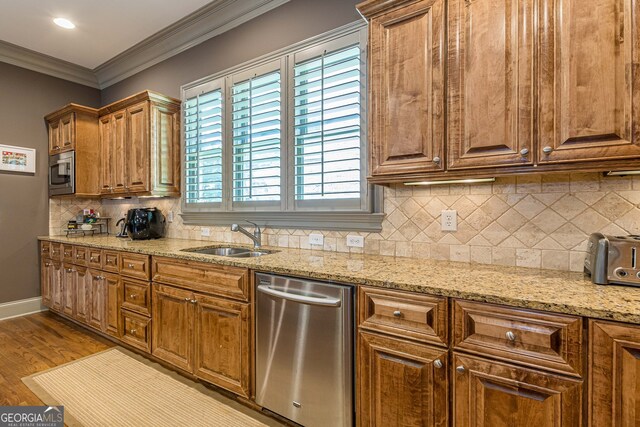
(135, 265)
(67, 253)
(95, 258)
(80, 255)
(136, 296)
(549, 341)
(56, 251)
(204, 277)
(407, 315)
(110, 261)
(137, 330)
(45, 249)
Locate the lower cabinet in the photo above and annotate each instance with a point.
(136, 330)
(68, 288)
(401, 383)
(113, 300)
(46, 280)
(487, 393)
(97, 303)
(614, 374)
(56, 285)
(82, 280)
(203, 335)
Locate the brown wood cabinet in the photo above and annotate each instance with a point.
(97, 310)
(140, 146)
(614, 372)
(401, 383)
(406, 86)
(136, 330)
(82, 280)
(172, 337)
(113, 299)
(532, 87)
(56, 285)
(494, 394)
(46, 279)
(75, 128)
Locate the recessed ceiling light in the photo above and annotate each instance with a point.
(64, 23)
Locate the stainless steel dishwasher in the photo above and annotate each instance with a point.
(304, 350)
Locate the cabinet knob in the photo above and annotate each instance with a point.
(193, 301)
(187, 299)
(547, 150)
(130, 265)
(397, 313)
(460, 369)
(132, 296)
(47, 264)
(524, 152)
(437, 160)
(133, 331)
(511, 336)
(437, 363)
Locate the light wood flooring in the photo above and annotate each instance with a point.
(35, 343)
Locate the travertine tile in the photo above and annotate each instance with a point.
(555, 260)
(480, 254)
(531, 258)
(503, 256)
(569, 207)
(460, 253)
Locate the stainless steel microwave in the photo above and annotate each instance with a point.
(62, 176)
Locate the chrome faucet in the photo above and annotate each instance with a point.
(256, 236)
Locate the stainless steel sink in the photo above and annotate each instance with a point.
(230, 251)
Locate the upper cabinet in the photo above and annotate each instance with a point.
(589, 94)
(530, 87)
(140, 146)
(406, 85)
(69, 125)
(490, 83)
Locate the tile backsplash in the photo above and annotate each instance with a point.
(532, 221)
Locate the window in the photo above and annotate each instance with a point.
(282, 139)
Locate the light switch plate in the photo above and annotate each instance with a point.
(170, 216)
(205, 232)
(449, 220)
(355, 241)
(316, 239)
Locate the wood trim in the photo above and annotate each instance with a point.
(71, 108)
(371, 8)
(145, 95)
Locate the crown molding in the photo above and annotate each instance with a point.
(45, 64)
(207, 22)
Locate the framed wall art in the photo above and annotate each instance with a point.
(17, 159)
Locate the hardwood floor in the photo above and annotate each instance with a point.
(35, 343)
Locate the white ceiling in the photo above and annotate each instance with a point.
(104, 28)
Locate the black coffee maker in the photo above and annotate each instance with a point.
(145, 223)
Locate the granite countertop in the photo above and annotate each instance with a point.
(561, 292)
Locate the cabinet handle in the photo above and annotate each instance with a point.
(78, 257)
(68, 270)
(460, 369)
(132, 331)
(511, 336)
(130, 265)
(437, 363)
(47, 264)
(547, 150)
(524, 152)
(193, 301)
(437, 160)
(397, 313)
(93, 259)
(132, 296)
(188, 299)
(57, 147)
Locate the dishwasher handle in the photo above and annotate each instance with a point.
(327, 302)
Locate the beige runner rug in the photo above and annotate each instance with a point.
(119, 388)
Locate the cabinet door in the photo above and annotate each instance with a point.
(68, 289)
(46, 278)
(172, 337)
(98, 305)
(614, 375)
(113, 300)
(56, 286)
(589, 99)
(406, 115)
(83, 293)
(54, 137)
(492, 394)
(490, 84)
(107, 153)
(118, 171)
(67, 132)
(401, 383)
(222, 343)
(166, 140)
(137, 150)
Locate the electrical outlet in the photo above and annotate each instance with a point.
(205, 232)
(355, 241)
(170, 216)
(316, 239)
(449, 220)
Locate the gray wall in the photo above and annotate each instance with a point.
(290, 23)
(25, 98)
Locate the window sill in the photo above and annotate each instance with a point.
(335, 221)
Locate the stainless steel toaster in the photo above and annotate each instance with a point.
(613, 259)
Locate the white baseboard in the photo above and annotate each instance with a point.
(19, 308)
